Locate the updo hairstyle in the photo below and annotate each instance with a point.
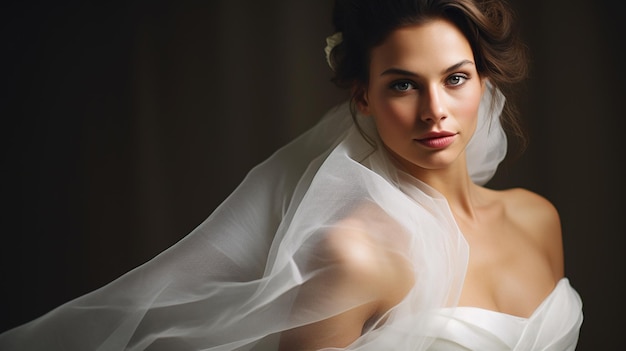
(487, 25)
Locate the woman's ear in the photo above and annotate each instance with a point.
(359, 94)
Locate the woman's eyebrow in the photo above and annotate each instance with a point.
(399, 71)
(457, 66)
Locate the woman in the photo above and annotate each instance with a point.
(372, 233)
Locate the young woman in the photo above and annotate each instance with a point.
(372, 231)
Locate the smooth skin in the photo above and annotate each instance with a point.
(423, 80)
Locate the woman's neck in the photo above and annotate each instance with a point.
(458, 189)
(455, 184)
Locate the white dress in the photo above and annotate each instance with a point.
(554, 325)
(260, 263)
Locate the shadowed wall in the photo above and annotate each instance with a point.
(125, 125)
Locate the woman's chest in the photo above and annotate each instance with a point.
(507, 271)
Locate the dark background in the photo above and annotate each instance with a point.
(125, 124)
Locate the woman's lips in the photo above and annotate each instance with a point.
(437, 140)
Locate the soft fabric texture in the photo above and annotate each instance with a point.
(262, 262)
(553, 326)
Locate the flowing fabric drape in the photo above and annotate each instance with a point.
(268, 258)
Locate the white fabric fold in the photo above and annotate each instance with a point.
(553, 326)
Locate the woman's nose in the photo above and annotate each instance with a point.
(432, 108)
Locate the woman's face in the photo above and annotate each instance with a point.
(423, 93)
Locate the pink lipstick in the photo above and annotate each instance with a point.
(437, 140)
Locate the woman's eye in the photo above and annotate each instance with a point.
(457, 79)
(402, 86)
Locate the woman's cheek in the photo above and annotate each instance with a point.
(402, 113)
(467, 108)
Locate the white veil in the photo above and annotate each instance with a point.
(261, 262)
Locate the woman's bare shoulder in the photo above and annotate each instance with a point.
(371, 252)
(538, 218)
(358, 268)
(529, 209)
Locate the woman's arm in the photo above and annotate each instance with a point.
(362, 270)
(338, 331)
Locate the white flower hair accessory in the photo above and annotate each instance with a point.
(331, 42)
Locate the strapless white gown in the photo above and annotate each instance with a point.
(554, 325)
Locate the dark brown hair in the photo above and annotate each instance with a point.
(488, 25)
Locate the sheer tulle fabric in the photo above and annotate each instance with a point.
(267, 259)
